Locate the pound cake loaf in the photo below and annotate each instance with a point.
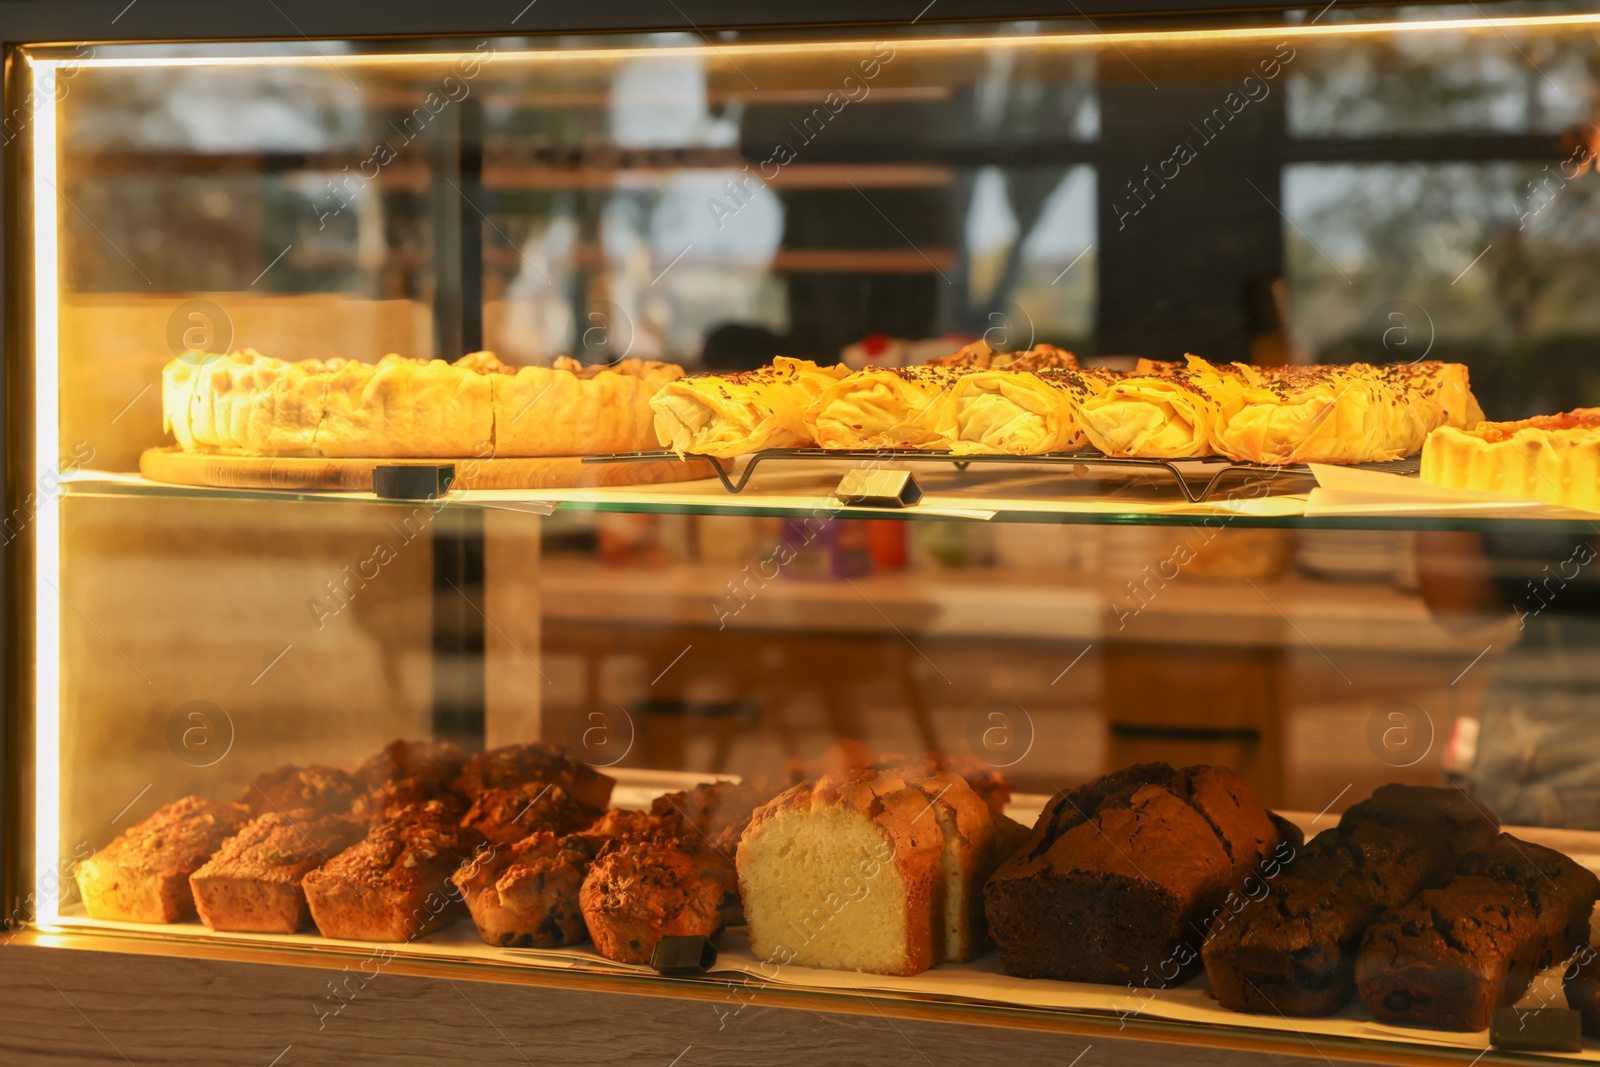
(394, 884)
(252, 884)
(970, 855)
(525, 895)
(143, 875)
(1120, 877)
(846, 872)
(1453, 956)
(1295, 951)
(535, 762)
(642, 889)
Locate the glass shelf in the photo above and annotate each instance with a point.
(970, 496)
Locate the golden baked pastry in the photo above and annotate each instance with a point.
(885, 407)
(246, 403)
(979, 356)
(1553, 458)
(1320, 414)
(728, 415)
(1019, 413)
(1165, 415)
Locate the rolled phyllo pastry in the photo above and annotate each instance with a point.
(1163, 416)
(1320, 414)
(881, 407)
(734, 414)
(1019, 413)
(1436, 394)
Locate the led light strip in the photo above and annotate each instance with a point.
(938, 44)
(46, 518)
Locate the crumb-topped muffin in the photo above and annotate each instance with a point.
(640, 890)
(525, 895)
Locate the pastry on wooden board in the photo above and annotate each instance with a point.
(248, 404)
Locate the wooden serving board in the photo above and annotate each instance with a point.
(168, 464)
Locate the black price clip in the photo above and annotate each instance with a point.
(412, 481)
(684, 954)
(1536, 1030)
(864, 488)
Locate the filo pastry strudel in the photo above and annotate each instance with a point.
(1163, 416)
(727, 415)
(979, 356)
(883, 407)
(1320, 414)
(1020, 413)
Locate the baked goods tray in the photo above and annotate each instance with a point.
(746, 980)
(735, 477)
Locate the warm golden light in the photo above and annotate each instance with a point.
(46, 519)
(1087, 40)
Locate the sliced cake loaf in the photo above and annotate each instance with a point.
(968, 858)
(846, 872)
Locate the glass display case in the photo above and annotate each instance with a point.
(616, 201)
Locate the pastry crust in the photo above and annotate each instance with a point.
(1162, 416)
(1552, 458)
(1019, 413)
(249, 404)
(884, 407)
(728, 415)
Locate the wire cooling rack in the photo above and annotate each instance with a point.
(735, 477)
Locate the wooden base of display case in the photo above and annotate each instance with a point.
(114, 1000)
(355, 475)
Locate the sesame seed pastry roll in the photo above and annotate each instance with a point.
(1020, 413)
(1319, 414)
(882, 407)
(728, 415)
(1166, 415)
(1437, 394)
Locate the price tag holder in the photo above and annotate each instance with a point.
(1536, 1030)
(863, 488)
(412, 481)
(686, 954)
